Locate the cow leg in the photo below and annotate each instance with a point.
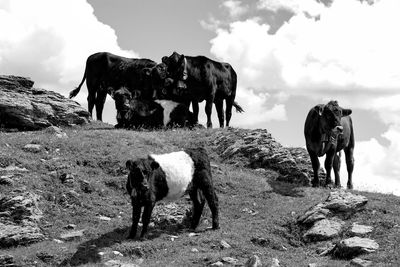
(219, 105)
(146, 218)
(195, 107)
(315, 165)
(91, 100)
(328, 166)
(336, 168)
(208, 109)
(198, 204)
(348, 151)
(100, 100)
(136, 210)
(204, 182)
(228, 110)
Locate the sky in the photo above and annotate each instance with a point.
(289, 56)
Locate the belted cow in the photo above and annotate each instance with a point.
(168, 177)
(204, 79)
(328, 129)
(105, 72)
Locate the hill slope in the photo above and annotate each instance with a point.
(80, 184)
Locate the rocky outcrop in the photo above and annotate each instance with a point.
(327, 220)
(23, 107)
(258, 149)
(19, 217)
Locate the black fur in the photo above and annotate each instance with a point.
(205, 79)
(321, 138)
(146, 185)
(105, 71)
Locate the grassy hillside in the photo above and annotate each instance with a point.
(252, 205)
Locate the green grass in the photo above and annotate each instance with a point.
(251, 204)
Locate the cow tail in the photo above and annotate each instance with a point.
(74, 92)
(238, 107)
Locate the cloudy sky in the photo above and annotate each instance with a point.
(288, 56)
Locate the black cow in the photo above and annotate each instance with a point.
(329, 129)
(168, 177)
(105, 72)
(204, 79)
(150, 113)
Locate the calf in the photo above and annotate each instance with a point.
(329, 129)
(168, 177)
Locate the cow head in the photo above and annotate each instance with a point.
(140, 110)
(139, 177)
(177, 68)
(330, 116)
(122, 96)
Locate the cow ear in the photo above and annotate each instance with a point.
(129, 164)
(147, 71)
(154, 165)
(346, 112)
(319, 109)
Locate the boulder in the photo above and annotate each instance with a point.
(258, 149)
(323, 230)
(23, 107)
(343, 201)
(253, 261)
(19, 219)
(360, 230)
(357, 262)
(354, 246)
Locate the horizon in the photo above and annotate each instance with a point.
(289, 57)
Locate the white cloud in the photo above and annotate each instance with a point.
(311, 7)
(235, 8)
(50, 41)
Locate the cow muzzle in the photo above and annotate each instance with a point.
(181, 85)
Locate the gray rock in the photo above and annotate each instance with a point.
(343, 201)
(314, 214)
(26, 108)
(217, 264)
(268, 242)
(360, 230)
(7, 261)
(72, 235)
(354, 246)
(6, 180)
(67, 178)
(258, 149)
(54, 130)
(230, 260)
(33, 148)
(253, 261)
(225, 244)
(323, 230)
(15, 235)
(360, 262)
(167, 214)
(274, 263)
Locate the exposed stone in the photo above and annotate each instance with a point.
(258, 149)
(323, 230)
(354, 246)
(70, 226)
(15, 235)
(167, 214)
(54, 130)
(23, 107)
(360, 230)
(360, 262)
(45, 256)
(268, 242)
(33, 148)
(224, 244)
(118, 263)
(6, 180)
(86, 186)
(194, 250)
(217, 264)
(314, 214)
(274, 263)
(343, 201)
(67, 178)
(253, 261)
(230, 260)
(325, 250)
(7, 261)
(104, 218)
(72, 235)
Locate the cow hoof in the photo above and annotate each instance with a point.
(350, 186)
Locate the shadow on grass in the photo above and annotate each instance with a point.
(287, 189)
(88, 252)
